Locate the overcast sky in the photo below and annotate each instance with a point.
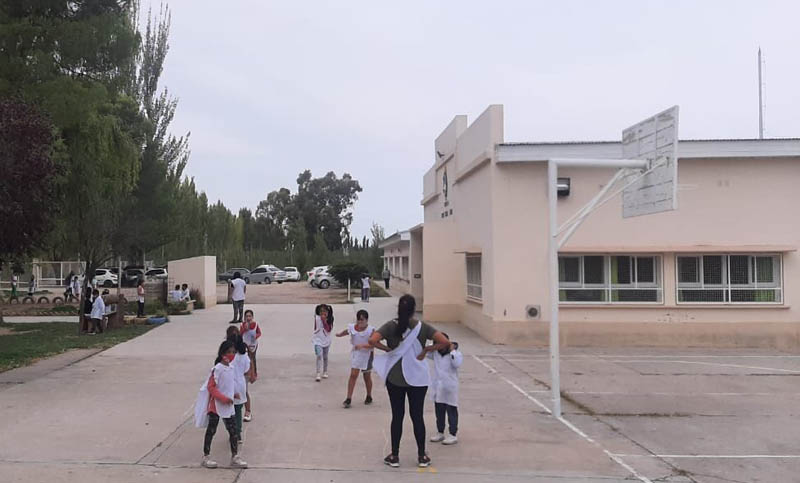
(269, 89)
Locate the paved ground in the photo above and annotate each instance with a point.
(637, 415)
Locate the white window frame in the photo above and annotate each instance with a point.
(469, 285)
(777, 285)
(608, 287)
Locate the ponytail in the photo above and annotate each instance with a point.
(405, 310)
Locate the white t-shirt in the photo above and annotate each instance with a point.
(238, 289)
(359, 358)
(140, 293)
(321, 337)
(365, 282)
(250, 335)
(241, 364)
(177, 295)
(76, 287)
(185, 295)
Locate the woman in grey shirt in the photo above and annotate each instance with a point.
(410, 381)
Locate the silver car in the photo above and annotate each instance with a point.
(323, 279)
(266, 274)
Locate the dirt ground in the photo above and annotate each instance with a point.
(288, 293)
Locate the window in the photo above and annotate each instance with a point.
(474, 285)
(260, 270)
(609, 279)
(729, 279)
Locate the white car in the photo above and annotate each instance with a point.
(292, 274)
(323, 279)
(266, 274)
(157, 273)
(312, 274)
(103, 277)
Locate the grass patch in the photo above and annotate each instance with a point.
(23, 344)
(376, 290)
(65, 309)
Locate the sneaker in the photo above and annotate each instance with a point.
(208, 462)
(368, 400)
(237, 462)
(247, 417)
(424, 461)
(324, 375)
(317, 377)
(392, 460)
(450, 439)
(437, 438)
(346, 403)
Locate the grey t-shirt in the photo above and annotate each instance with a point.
(388, 331)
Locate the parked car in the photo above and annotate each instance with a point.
(227, 275)
(158, 273)
(105, 277)
(266, 274)
(131, 276)
(292, 274)
(313, 273)
(323, 279)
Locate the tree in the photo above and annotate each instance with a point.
(29, 174)
(153, 212)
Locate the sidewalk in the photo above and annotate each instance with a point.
(41, 318)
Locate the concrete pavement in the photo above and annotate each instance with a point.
(125, 414)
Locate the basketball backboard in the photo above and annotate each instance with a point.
(656, 140)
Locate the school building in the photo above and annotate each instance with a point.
(722, 270)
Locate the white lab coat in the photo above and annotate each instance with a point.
(321, 337)
(359, 358)
(444, 384)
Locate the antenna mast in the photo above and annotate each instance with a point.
(760, 98)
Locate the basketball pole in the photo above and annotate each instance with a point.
(553, 246)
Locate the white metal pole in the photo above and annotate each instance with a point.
(552, 249)
(348, 290)
(760, 101)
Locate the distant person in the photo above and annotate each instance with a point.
(214, 401)
(140, 298)
(406, 373)
(185, 295)
(87, 306)
(98, 312)
(321, 338)
(176, 295)
(238, 292)
(14, 282)
(365, 287)
(68, 284)
(32, 286)
(76, 288)
(360, 356)
(250, 333)
(444, 391)
(386, 275)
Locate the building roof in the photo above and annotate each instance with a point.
(687, 149)
(397, 238)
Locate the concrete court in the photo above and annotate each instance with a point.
(641, 415)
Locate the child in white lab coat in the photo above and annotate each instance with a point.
(361, 355)
(444, 391)
(215, 401)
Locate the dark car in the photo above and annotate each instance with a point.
(131, 276)
(227, 275)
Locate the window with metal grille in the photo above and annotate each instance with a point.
(474, 284)
(610, 279)
(729, 279)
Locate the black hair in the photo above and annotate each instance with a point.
(406, 308)
(95, 292)
(362, 314)
(250, 311)
(223, 348)
(185, 285)
(446, 350)
(237, 275)
(328, 309)
(177, 287)
(140, 282)
(233, 335)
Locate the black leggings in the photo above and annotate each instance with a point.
(416, 404)
(211, 430)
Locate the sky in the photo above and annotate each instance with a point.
(269, 89)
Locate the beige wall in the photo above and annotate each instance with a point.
(199, 272)
(417, 260)
(500, 210)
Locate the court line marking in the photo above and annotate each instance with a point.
(572, 427)
(739, 366)
(712, 456)
(618, 356)
(675, 394)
